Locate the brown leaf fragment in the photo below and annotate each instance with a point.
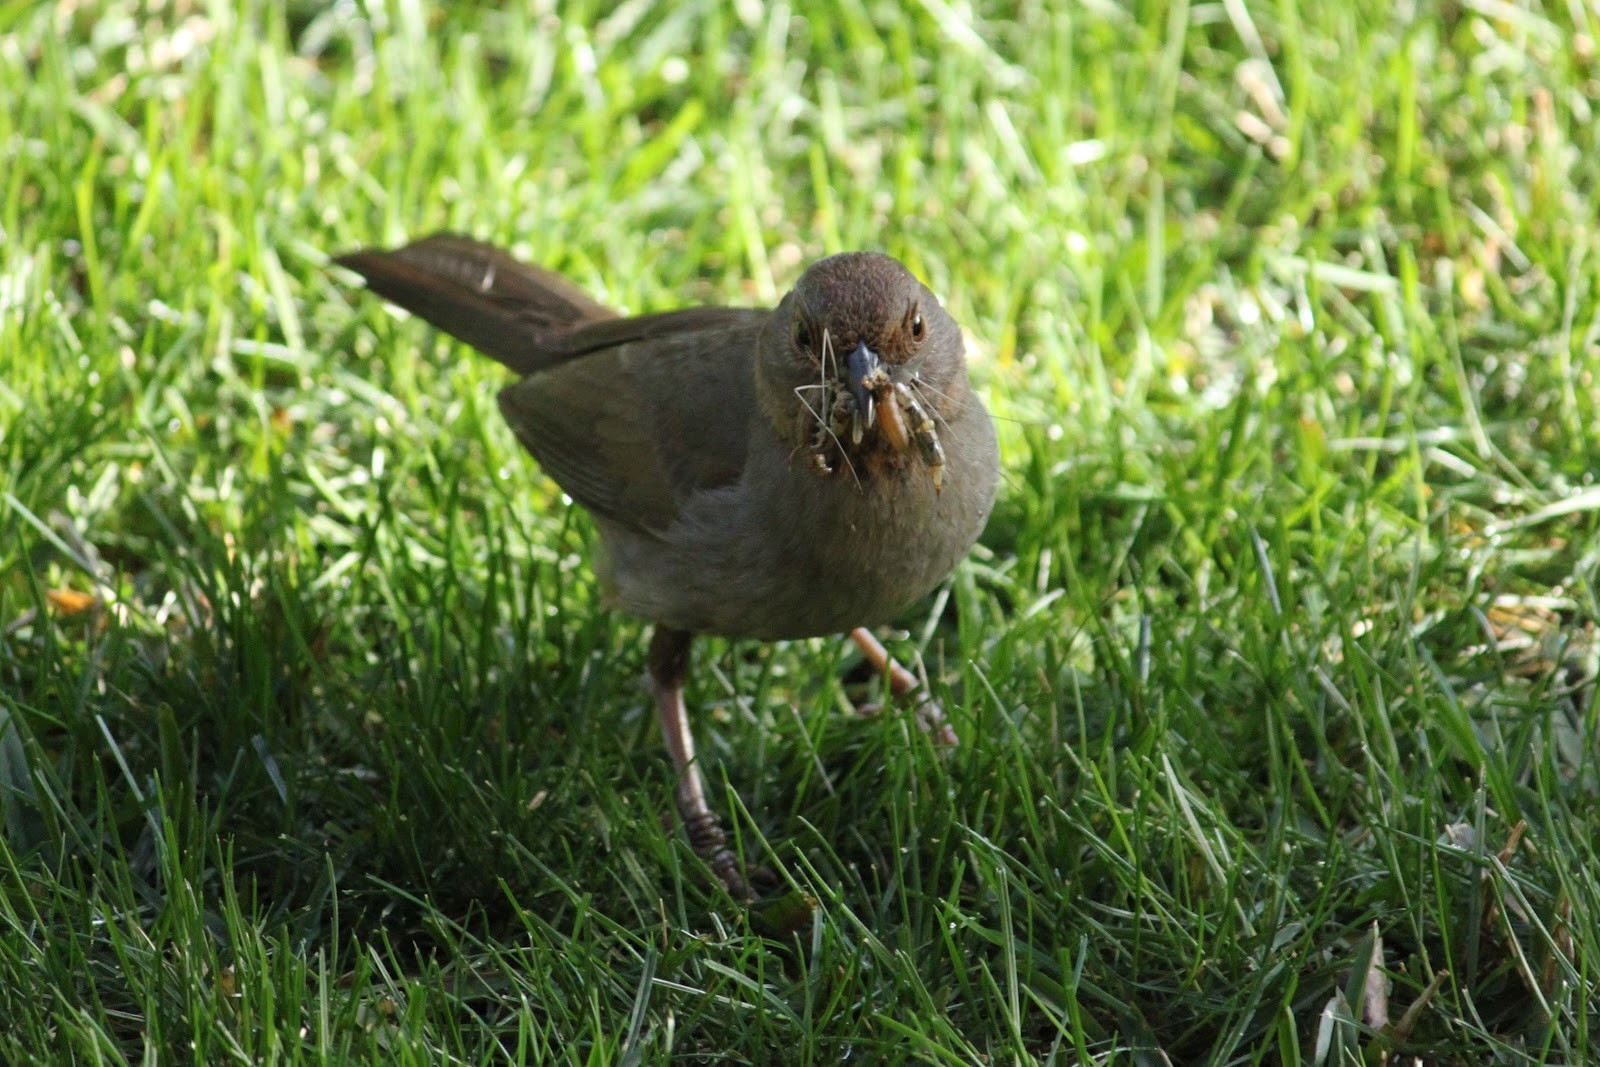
(69, 602)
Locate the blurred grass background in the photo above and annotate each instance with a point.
(1272, 669)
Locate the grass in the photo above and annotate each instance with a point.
(1273, 668)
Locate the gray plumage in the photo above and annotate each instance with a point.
(684, 436)
(760, 474)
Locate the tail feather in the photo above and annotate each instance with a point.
(506, 309)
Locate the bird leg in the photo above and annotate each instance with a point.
(669, 667)
(930, 716)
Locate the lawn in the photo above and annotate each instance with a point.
(1273, 669)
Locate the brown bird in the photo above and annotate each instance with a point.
(753, 473)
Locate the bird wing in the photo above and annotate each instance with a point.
(631, 416)
(638, 415)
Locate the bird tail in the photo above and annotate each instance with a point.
(506, 309)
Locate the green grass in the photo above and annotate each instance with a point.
(1272, 669)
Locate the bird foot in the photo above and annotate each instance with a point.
(930, 719)
(710, 843)
(902, 683)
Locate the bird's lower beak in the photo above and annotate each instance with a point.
(865, 374)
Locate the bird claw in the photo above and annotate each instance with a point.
(930, 718)
(710, 843)
(902, 683)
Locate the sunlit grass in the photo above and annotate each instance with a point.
(1272, 670)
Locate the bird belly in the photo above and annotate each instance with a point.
(827, 558)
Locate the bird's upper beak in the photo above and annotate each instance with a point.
(863, 376)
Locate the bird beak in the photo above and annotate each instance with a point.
(864, 370)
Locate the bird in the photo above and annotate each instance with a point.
(752, 473)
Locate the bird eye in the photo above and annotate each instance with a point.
(802, 336)
(917, 329)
